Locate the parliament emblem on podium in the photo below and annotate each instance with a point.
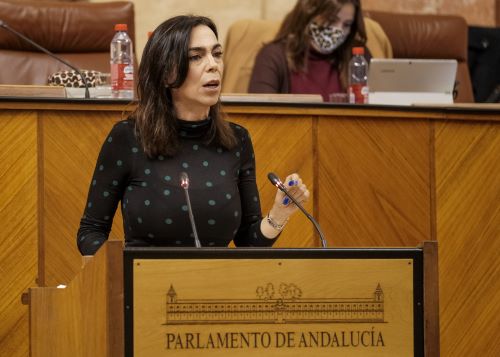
(283, 304)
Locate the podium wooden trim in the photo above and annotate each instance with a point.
(87, 318)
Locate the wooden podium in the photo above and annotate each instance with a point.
(242, 302)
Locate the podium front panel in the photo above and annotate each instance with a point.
(273, 302)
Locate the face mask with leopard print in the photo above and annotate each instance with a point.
(326, 39)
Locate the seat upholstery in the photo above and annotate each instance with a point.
(246, 37)
(243, 41)
(388, 35)
(79, 32)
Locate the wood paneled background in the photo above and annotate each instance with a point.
(468, 223)
(378, 178)
(71, 143)
(383, 178)
(19, 226)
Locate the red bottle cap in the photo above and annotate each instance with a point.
(121, 27)
(358, 50)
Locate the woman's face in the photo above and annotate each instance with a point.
(202, 86)
(328, 34)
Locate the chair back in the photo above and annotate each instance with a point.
(78, 32)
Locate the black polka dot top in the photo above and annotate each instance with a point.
(222, 190)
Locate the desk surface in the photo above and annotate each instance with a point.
(486, 111)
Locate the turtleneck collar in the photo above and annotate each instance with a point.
(193, 129)
(316, 56)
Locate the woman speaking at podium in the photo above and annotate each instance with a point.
(178, 129)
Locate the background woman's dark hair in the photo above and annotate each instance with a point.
(293, 32)
(165, 65)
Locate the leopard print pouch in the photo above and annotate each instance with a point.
(73, 79)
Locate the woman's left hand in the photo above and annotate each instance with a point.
(283, 206)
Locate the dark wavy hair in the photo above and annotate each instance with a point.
(165, 65)
(293, 32)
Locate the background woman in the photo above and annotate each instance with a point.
(311, 52)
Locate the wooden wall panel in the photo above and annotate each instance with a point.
(283, 146)
(71, 144)
(18, 232)
(468, 225)
(374, 181)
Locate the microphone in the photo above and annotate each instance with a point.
(185, 185)
(277, 182)
(20, 35)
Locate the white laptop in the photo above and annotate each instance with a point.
(411, 81)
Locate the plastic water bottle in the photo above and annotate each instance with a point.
(122, 64)
(358, 77)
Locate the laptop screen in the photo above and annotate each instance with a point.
(411, 81)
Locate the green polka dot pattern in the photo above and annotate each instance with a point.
(223, 192)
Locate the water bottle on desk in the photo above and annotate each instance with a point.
(358, 77)
(122, 64)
